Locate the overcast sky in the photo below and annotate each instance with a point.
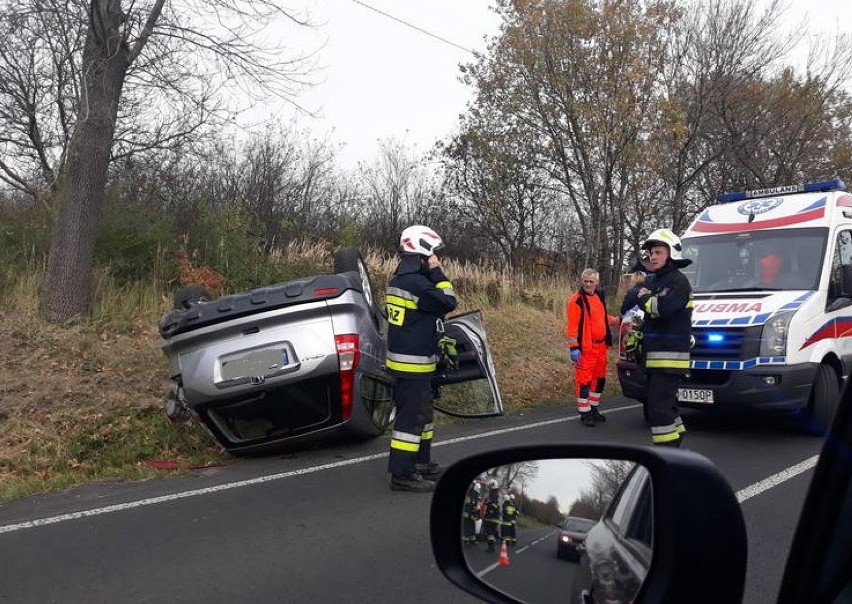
(384, 79)
(389, 70)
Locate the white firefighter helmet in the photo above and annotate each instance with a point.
(419, 239)
(665, 237)
(492, 484)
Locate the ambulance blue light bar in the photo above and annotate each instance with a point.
(808, 187)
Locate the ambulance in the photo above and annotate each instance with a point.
(771, 279)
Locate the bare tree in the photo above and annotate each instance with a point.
(716, 50)
(607, 478)
(497, 187)
(397, 191)
(39, 88)
(579, 78)
(123, 78)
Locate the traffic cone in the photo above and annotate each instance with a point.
(503, 560)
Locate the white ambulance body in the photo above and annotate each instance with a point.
(772, 292)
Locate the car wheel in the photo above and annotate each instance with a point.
(825, 396)
(348, 259)
(185, 297)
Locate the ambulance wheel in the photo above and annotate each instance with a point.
(825, 397)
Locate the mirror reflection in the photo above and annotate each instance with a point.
(561, 530)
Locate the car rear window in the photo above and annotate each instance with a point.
(579, 525)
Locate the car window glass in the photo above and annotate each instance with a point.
(641, 521)
(578, 525)
(624, 504)
(468, 387)
(842, 257)
(733, 261)
(844, 247)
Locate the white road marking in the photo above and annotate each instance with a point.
(742, 495)
(183, 495)
(9, 528)
(521, 550)
(776, 479)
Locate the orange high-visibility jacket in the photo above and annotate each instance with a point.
(587, 320)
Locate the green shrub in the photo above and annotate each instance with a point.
(24, 239)
(133, 242)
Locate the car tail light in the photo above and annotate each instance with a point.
(348, 354)
(326, 291)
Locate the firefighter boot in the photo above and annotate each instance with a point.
(670, 443)
(429, 471)
(588, 419)
(415, 482)
(597, 415)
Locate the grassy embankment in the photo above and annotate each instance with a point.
(83, 402)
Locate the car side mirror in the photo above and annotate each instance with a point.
(590, 523)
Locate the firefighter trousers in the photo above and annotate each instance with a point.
(663, 412)
(411, 441)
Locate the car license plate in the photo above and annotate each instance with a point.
(695, 395)
(258, 364)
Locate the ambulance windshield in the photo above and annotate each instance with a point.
(780, 259)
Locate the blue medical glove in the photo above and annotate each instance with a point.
(575, 355)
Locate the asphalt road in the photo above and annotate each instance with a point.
(321, 525)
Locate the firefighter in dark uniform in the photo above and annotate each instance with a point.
(471, 514)
(638, 273)
(492, 520)
(665, 299)
(418, 297)
(510, 521)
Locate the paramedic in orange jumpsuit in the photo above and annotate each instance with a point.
(771, 268)
(589, 338)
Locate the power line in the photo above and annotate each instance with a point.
(414, 27)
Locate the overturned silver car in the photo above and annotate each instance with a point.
(275, 364)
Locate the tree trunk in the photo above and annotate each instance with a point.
(67, 287)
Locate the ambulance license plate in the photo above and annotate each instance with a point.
(695, 395)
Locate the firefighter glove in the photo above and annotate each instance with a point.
(449, 352)
(633, 346)
(575, 355)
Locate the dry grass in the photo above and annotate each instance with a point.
(82, 401)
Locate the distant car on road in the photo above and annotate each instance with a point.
(571, 539)
(296, 359)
